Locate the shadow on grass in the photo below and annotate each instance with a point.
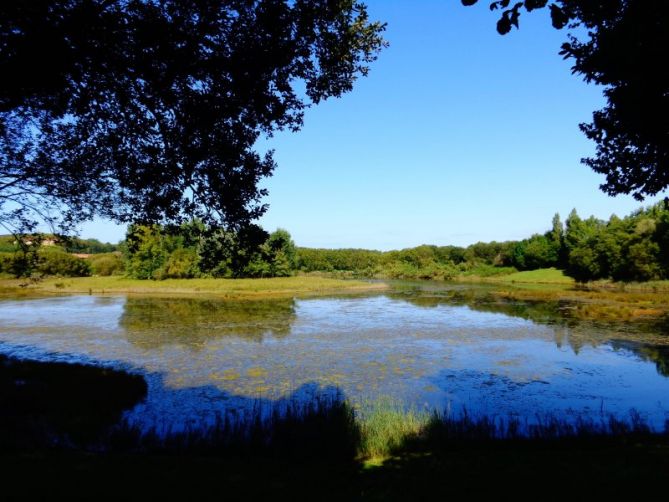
(552, 459)
(319, 449)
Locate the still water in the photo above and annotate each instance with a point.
(449, 347)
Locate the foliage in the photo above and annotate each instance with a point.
(196, 250)
(623, 49)
(328, 260)
(635, 248)
(6, 262)
(628, 249)
(106, 264)
(536, 252)
(88, 246)
(8, 244)
(54, 261)
(275, 258)
(149, 111)
(43, 261)
(147, 252)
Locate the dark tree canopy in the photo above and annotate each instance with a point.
(148, 110)
(625, 49)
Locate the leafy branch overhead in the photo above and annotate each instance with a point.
(622, 45)
(149, 111)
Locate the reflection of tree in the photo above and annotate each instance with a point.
(152, 322)
(658, 354)
(570, 328)
(482, 299)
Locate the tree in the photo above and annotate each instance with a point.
(625, 50)
(536, 252)
(148, 110)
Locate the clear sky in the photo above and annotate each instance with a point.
(457, 135)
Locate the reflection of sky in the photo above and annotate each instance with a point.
(443, 356)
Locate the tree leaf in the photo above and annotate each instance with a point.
(559, 18)
(503, 25)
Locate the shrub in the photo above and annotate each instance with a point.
(106, 264)
(6, 263)
(58, 262)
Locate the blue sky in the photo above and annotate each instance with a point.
(457, 135)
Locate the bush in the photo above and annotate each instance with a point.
(58, 262)
(18, 264)
(106, 264)
(6, 263)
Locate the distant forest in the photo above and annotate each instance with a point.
(633, 248)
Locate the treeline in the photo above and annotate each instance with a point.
(10, 244)
(633, 248)
(46, 254)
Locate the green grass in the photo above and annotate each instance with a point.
(227, 288)
(385, 426)
(634, 287)
(539, 276)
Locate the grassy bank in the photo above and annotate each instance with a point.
(553, 276)
(540, 276)
(324, 450)
(226, 288)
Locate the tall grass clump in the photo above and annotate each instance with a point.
(386, 426)
(446, 430)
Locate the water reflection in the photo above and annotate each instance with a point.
(645, 337)
(658, 354)
(438, 346)
(152, 322)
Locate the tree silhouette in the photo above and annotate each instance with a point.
(625, 49)
(148, 110)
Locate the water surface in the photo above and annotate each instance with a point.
(446, 347)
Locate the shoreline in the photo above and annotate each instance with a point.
(222, 288)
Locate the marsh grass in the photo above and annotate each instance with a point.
(386, 425)
(330, 428)
(589, 303)
(225, 288)
(507, 275)
(322, 428)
